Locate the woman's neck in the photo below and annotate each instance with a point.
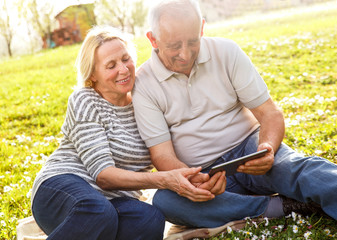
(116, 99)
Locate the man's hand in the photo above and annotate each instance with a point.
(216, 184)
(178, 181)
(259, 166)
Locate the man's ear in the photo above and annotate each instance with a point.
(202, 27)
(152, 39)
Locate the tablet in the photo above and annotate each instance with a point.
(231, 166)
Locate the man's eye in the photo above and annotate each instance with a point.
(175, 47)
(126, 59)
(194, 43)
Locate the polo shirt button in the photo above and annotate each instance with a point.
(190, 85)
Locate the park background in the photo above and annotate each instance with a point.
(293, 44)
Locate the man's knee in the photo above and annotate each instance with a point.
(153, 224)
(163, 200)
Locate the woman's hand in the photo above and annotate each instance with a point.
(178, 180)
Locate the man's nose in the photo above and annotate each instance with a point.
(185, 53)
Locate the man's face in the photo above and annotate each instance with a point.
(179, 43)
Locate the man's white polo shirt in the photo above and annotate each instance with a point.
(205, 114)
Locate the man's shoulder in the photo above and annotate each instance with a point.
(144, 69)
(145, 75)
(220, 42)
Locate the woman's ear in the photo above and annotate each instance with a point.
(152, 39)
(93, 78)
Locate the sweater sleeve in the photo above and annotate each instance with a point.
(84, 128)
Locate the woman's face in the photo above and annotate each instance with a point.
(114, 74)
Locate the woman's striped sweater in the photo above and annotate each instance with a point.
(97, 135)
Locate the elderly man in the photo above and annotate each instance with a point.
(199, 101)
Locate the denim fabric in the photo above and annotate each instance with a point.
(67, 207)
(293, 175)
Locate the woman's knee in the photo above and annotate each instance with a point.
(98, 208)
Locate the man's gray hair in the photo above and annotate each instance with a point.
(171, 7)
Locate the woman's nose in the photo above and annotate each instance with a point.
(123, 68)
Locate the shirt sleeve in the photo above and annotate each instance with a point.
(251, 89)
(150, 119)
(85, 130)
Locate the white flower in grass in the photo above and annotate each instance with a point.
(255, 224)
(280, 227)
(307, 235)
(320, 112)
(294, 216)
(236, 238)
(327, 231)
(7, 189)
(29, 193)
(266, 232)
(318, 152)
(28, 179)
(229, 229)
(300, 222)
(267, 221)
(295, 229)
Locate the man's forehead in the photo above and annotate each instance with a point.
(174, 32)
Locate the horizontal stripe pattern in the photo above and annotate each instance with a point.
(97, 135)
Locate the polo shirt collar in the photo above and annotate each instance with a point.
(204, 54)
(162, 73)
(158, 68)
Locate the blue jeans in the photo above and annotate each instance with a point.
(292, 175)
(67, 207)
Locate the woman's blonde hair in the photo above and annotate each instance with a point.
(96, 37)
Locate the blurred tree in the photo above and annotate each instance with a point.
(39, 14)
(138, 15)
(127, 15)
(6, 26)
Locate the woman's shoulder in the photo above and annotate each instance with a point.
(83, 93)
(82, 102)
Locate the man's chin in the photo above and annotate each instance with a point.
(184, 70)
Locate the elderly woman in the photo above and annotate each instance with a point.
(89, 187)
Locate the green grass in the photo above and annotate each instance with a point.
(296, 56)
